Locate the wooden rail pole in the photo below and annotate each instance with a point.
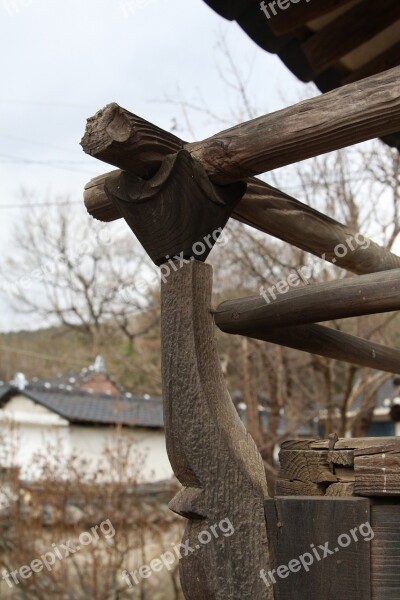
(351, 114)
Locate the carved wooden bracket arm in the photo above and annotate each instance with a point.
(178, 212)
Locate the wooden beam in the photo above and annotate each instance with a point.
(321, 340)
(299, 14)
(281, 306)
(387, 60)
(263, 206)
(212, 454)
(298, 526)
(348, 115)
(349, 31)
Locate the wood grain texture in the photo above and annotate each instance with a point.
(351, 297)
(295, 524)
(340, 489)
(356, 443)
(377, 470)
(176, 213)
(344, 458)
(284, 487)
(321, 340)
(211, 453)
(117, 137)
(308, 466)
(385, 551)
(340, 37)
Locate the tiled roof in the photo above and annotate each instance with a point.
(82, 407)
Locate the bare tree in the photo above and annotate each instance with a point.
(89, 277)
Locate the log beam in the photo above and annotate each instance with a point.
(351, 114)
(317, 339)
(343, 298)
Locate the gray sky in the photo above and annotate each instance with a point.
(62, 61)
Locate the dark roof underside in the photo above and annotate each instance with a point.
(329, 42)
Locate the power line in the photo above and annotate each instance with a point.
(36, 143)
(39, 204)
(55, 164)
(37, 355)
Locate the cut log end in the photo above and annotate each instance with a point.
(107, 126)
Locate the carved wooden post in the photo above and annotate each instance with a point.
(212, 455)
(177, 214)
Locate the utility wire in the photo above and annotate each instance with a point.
(38, 205)
(38, 355)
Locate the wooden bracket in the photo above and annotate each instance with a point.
(178, 212)
(212, 454)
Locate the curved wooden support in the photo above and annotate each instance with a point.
(211, 453)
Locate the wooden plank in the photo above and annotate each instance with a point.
(299, 14)
(284, 487)
(281, 305)
(345, 574)
(327, 46)
(309, 466)
(212, 455)
(300, 444)
(385, 551)
(317, 339)
(357, 443)
(340, 489)
(278, 214)
(346, 116)
(387, 60)
(344, 458)
(377, 470)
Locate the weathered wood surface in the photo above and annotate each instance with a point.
(385, 551)
(308, 466)
(355, 443)
(176, 213)
(340, 489)
(351, 297)
(349, 115)
(297, 526)
(263, 206)
(377, 470)
(340, 37)
(284, 487)
(321, 340)
(344, 458)
(211, 453)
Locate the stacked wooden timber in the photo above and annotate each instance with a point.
(338, 471)
(349, 467)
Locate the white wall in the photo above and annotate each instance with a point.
(28, 429)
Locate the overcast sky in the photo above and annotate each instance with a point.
(62, 61)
